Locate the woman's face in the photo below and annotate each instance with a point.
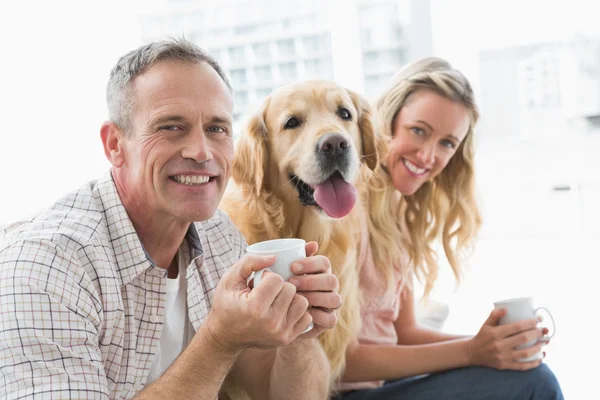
(426, 133)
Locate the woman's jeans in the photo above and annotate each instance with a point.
(476, 383)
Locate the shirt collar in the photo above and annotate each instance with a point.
(193, 244)
(131, 257)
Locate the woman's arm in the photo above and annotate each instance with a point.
(372, 362)
(422, 351)
(408, 330)
(419, 350)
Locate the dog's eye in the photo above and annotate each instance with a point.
(291, 123)
(344, 113)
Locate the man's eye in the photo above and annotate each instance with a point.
(172, 128)
(216, 129)
(291, 123)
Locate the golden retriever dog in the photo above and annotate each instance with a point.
(297, 173)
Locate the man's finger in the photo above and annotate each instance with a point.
(269, 288)
(297, 310)
(311, 248)
(312, 283)
(311, 265)
(303, 324)
(251, 263)
(282, 302)
(328, 300)
(322, 318)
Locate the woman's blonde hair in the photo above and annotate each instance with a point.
(444, 208)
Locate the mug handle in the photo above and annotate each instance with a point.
(551, 319)
(258, 276)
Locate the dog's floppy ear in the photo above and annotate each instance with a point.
(365, 123)
(250, 158)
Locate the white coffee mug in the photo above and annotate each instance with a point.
(519, 309)
(286, 251)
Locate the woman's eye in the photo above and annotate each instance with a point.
(448, 144)
(344, 114)
(417, 130)
(291, 123)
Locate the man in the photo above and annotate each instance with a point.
(103, 290)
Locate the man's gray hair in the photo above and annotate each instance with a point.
(120, 98)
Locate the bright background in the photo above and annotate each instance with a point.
(535, 66)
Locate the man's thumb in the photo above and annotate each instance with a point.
(251, 263)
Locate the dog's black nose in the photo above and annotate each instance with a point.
(333, 144)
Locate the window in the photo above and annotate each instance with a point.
(311, 44)
(239, 77)
(241, 99)
(237, 116)
(195, 36)
(237, 54)
(375, 84)
(398, 32)
(245, 29)
(286, 47)
(316, 44)
(262, 93)
(262, 51)
(263, 74)
(371, 59)
(319, 68)
(366, 35)
(288, 71)
(385, 58)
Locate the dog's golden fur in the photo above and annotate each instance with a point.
(264, 204)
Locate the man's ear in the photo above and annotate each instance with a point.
(112, 140)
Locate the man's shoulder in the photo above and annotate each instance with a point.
(73, 221)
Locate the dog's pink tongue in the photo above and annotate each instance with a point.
(335, 196)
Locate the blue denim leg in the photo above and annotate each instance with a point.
(476, 383)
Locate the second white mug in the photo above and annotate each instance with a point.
(519, 309)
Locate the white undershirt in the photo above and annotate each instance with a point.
(177, 329)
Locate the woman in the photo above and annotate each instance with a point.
(424, 193)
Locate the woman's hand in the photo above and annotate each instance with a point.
(495, 345)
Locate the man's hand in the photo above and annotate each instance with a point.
(268, 316)
(319, 286)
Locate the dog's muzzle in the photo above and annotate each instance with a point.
(333, 194)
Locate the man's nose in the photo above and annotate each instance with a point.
(197, 147)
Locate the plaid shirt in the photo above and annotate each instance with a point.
(82, 304)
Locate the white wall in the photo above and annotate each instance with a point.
(56, 57)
